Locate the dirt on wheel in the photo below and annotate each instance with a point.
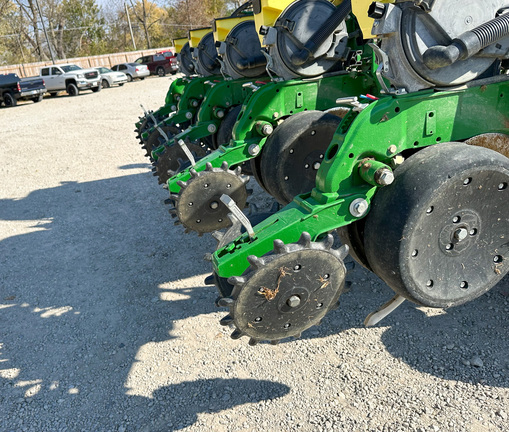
(106, 323)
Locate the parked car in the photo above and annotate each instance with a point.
(160, 63)
(13, 88)
(71, 78)
(109, 77)
(132, 70)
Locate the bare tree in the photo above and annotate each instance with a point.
(29, 10)
(145, 13)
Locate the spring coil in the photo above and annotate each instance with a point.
(493, 30)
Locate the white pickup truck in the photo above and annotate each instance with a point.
(71, 78)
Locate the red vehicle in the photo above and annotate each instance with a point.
(160, 63)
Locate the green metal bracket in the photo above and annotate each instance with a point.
(173, 95)
(385, 129)
(189, 102)
(272, 102)
(220, 97)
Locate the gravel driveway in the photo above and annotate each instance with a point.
(106, 325)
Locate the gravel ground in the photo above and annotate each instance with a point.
(106, 325)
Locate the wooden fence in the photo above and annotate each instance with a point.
(107, 60)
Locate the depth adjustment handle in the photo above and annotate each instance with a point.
(318, 38)
(467, 44)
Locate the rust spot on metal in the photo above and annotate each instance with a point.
(493, 141)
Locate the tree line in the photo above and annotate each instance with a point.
(39, 30)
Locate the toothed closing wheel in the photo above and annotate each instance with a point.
(169, 162)
(198, 205)
(155, 139)
(287, 291)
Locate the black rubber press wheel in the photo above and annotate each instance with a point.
(293, 153)
(439, 234)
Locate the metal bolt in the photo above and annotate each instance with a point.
(219, 113)
(358, 207)
(293, 301)
(214, 205)
(386, 177)
(461, 234)
(392, 149)
(194, 103)
(267, 129)
(212, 128)
(253, 149)
(275, 115)
(174, 107)
(189, 115)
(316, 165)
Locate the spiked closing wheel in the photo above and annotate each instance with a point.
(146, 124)
(438, 235)
(155, 139)
(169, 162)
(293, 153)
(286, 291)
(198, 204)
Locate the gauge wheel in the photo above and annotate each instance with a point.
(293, 153)
(438, 234)
(224, 133)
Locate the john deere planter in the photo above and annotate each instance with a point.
(414, 180)
(223, 98)
(284, 126)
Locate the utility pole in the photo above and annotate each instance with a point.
(22, 55)
(130, 27)
(45, 32)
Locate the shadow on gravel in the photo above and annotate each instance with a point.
(135, 166)
(467, 343)
(180, 404)
(84, 270)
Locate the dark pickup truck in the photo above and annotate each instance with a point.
(14, 88)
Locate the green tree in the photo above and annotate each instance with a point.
(82, 27)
